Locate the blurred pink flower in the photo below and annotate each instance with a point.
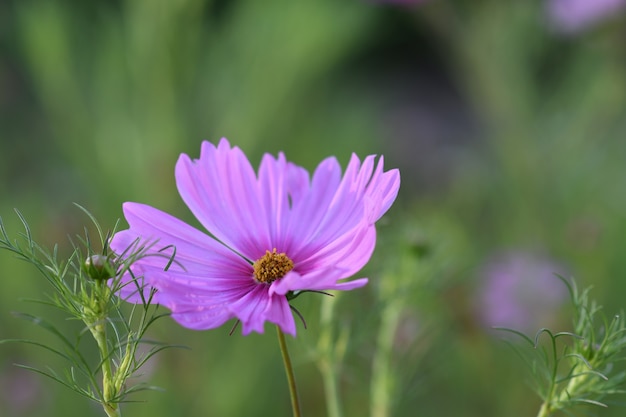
(520, 291)
(576, 15)
(273, 234)
(21, 392)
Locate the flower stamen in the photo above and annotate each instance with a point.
(271, 267)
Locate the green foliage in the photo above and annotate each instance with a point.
(82, 293)
(579, 367)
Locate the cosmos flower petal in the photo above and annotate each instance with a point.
(221, 190)
(274, 191)
(349, 285)
(323, 224)
(382, 190)
(202, 317)
(251, 309)
(198, 310)
(330, 208)
(171, 237)
(202, 279)
(351, 242)
(279, 313)
(194, 302)
(346, 208)
(313, 203)
(350, 252)
(357, 200)
(297, 183)
(321, 280)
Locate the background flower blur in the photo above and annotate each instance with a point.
(521, 291)
(507, 132)
(576, 15)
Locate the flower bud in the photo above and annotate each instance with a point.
(99, 267)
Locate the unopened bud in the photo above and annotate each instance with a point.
(99, 267)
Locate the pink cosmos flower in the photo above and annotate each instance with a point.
(272, 235)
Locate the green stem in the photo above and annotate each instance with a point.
(382, 376)
(112, 410)
(331, 391)
(99, 332)
(546, 408)
(571, 390)
(330, 356)
(544, 411)
(291, 380)
(108, 386)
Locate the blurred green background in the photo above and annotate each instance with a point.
(508, 129)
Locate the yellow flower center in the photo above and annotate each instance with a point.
(271, 267)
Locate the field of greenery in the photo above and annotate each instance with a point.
(506, 119)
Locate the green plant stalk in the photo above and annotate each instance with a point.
(124, 367)
(574, 384)
(546, 407)
(99, 332)
(329, 361)
(382, 376)
(108, 385)
(291, 380)
(544, 411)
(552, 404)
(331, 391)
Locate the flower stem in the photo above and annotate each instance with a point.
(331, 351)
(382, 381)
(544, 411)
(99, 332)
(331, 390)
(110, 407)
(554, 402)
(291, 380)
